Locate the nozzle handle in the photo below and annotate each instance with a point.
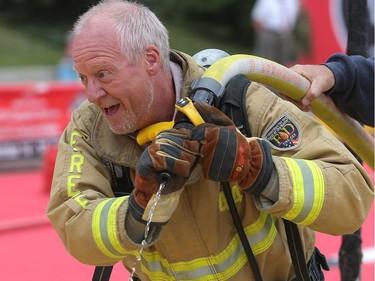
(164, 177)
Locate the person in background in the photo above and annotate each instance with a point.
(64, 69)
(133, 80)
(274, 23)
(348, 80)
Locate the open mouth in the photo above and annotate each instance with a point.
(112, 110)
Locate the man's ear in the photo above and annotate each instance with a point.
(152, 59)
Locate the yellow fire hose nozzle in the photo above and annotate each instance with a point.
(185, 106)
(149, 133)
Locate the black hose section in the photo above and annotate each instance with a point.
(358, 27)
(350, 252)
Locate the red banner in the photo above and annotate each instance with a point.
(329, 28)
(33, 115)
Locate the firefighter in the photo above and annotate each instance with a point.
(292, 168)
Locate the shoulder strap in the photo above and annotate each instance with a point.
(102, 273)
(296, 251)
(233, 105)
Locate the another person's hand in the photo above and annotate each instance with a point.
(173, 153)
(321, 78)
(228, 156)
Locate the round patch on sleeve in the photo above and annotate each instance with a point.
(284, 134)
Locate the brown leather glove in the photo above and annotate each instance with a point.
(228, 156)
(172, 152)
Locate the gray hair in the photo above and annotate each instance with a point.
(136, 27)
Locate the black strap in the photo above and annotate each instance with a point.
(296, 251)
(234, 106)
(233, 102)
(241, 232)
(102, 273)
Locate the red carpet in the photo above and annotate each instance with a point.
(31, 250)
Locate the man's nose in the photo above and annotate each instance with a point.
(94, 91)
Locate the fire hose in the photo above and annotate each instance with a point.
(285, 81)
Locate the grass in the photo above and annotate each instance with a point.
(19, 48)
(189, 42)
(27, 47)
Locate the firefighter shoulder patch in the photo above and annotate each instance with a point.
(283, 134)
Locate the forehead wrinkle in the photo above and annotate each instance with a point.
(95, 44)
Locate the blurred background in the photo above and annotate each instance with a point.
(34, 33)
(39, 89)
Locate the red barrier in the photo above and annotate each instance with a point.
(33, 116)
(328, 29)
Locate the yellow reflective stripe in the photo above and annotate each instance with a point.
(104, 228)
(263, 239)
(158, 275)
(225, 264)
(318, 193)
(198, 269)
(297, 182)
(308, 189)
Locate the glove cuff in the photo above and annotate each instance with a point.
(265, 172)
(261, 182)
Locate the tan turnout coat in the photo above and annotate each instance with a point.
(321, 187)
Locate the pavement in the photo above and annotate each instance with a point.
(30, 247)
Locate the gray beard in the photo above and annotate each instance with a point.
(131, 123)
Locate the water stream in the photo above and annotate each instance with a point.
(147, 229)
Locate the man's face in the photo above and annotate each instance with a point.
(122, 91)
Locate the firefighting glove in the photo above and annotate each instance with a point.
(227, 156)
(171, 153)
